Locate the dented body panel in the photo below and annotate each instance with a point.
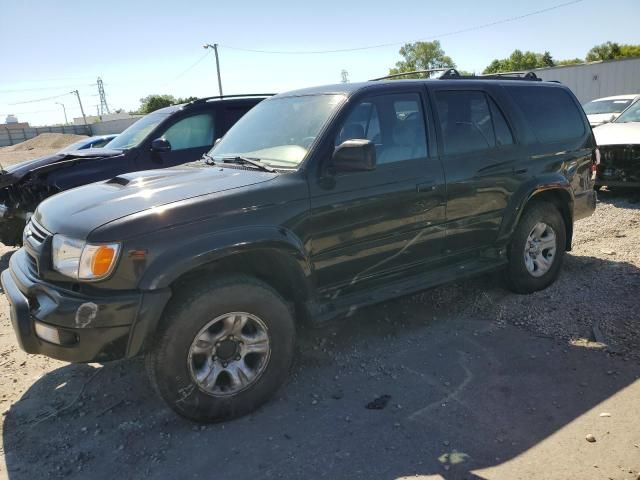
(329, 243)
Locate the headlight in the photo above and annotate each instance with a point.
(81, 260)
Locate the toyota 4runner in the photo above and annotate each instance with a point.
(315, 203)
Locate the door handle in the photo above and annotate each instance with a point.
(426, 186)
(520, 171)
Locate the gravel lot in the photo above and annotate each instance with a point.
(482, 383)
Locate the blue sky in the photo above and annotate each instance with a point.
(140, 47)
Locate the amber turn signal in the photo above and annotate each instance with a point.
(102, 260)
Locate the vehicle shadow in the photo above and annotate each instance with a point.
(621, 197)
(438, 384)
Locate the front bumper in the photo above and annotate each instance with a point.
(620, 166)
(98, 328)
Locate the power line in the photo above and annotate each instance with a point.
(188, 69)
(36, 100)
(35, 89)
(383, 45)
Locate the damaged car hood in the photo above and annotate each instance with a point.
(627, 133)
(13, 173)
(78, 211)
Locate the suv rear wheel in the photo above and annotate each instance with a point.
(223, 349)
(537, 249)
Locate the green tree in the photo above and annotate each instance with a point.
(569, 61)
(421, 56)
(519, 60)
(612, 50)
(630, 50)
(604, 51)
(151, 103)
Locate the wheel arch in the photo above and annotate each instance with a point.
(557, 192)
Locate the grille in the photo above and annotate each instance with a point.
(620, 156)
(38, 232)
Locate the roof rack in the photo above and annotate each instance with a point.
(452, 73)
(241, 95)
(414, 72)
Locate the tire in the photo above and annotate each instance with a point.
(520, 276)
(234, 386)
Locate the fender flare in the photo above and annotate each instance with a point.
(553, 182)
(205, 250)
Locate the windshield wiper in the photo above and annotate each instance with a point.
(248, 161)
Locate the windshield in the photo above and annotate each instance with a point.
(631, 114)
(279, 131)
(606, 106)
(136, 133)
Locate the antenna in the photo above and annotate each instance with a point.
(103, 98)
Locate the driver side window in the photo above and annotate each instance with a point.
(393, 123)
(191, 132)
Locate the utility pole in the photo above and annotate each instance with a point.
(215, 50)
(65, 112)
(77, 94)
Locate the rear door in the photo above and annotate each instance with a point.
(376, 223)
(479, 156)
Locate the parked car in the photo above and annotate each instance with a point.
(167, 137)
(316, 203)
(607, 109)
(619, 143)
(97, 141)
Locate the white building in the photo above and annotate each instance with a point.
(597, 79)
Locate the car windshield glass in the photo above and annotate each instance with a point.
(631, 114)
(279, 131)
(74, 146)
(606, 106)
(136, 133)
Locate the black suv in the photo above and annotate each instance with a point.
(164, 138)
(315, 203)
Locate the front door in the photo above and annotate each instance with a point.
(189, 137)
(369, 224)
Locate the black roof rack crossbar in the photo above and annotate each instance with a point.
(452, 73)
(404, 74)
(240, 95)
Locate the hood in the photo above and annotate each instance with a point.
(618, 134)
(600, 118)
(19, 170)
(78, 211)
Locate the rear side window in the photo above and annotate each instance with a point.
(470, 122)
(551, 112)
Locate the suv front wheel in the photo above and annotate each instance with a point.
(537, 249)
(223, 349)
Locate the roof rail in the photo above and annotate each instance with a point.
(414, 72)
(453, 74)
(241, 95)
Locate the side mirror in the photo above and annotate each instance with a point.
(160, 145)
(357, 155)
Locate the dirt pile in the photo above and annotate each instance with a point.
(45, 140)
